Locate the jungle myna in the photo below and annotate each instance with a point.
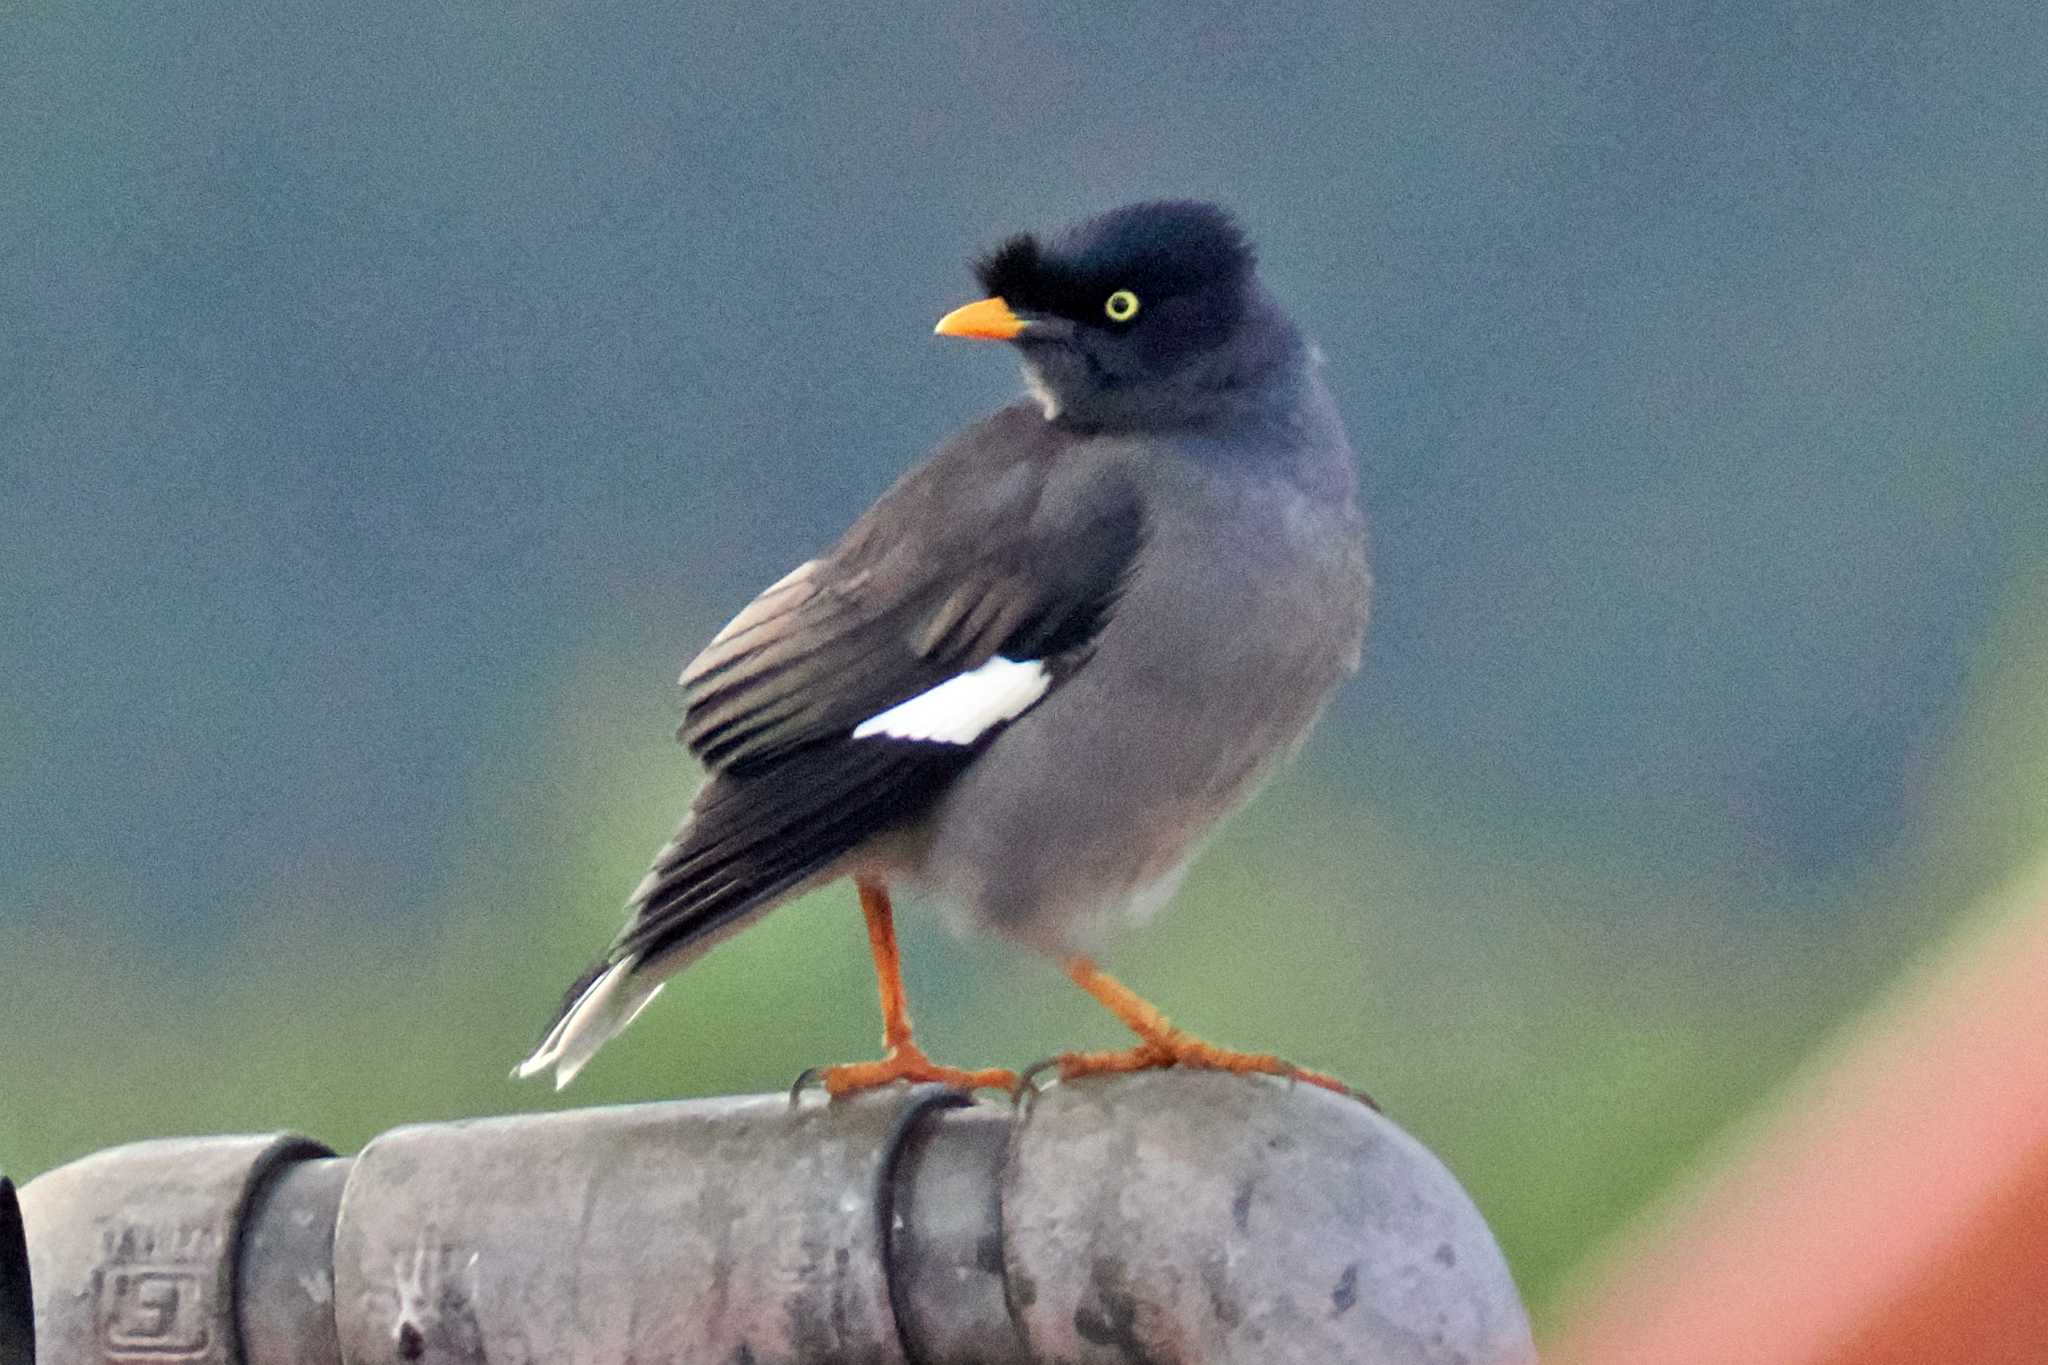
(1035, 674)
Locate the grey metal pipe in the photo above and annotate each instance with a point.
(132, 1250)
(284, 1267)
(1169, 1217)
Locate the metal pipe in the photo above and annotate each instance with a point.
(284, 1267)
(741, 1229)
(1169, 1217)
(132, 1250)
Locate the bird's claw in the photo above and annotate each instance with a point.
(1027, 1080)
(1027, 1088)
(807, 1076)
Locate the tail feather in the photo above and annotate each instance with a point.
(748, 844)
(609, 997)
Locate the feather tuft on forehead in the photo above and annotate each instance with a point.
(1158, 249)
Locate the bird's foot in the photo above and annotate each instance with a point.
(907, 1062)
(1174, 1048)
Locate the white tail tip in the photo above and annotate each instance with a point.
(604, 1009)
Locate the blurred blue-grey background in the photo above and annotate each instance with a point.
(391, 398)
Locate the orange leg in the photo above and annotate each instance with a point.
(902, 1059)
(1162, 1045)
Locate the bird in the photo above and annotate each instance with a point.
(1034, 675)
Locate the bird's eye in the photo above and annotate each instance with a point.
(1122, 306)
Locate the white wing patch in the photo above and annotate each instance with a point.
(963, 708)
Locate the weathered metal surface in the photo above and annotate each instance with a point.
(946, 1248)
(1199, 1219)
(716, 1231)
(1159, 1219)
(17, 1305)
(132, 1250)
(284, 1277)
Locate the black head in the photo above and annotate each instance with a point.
(1146, 315)
(1160, 252)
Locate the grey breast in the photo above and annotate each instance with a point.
(1244, 612)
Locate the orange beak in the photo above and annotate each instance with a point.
(985, 319)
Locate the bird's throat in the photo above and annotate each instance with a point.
(1041, 392)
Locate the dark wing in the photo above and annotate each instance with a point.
(811, 659)
(930, 586)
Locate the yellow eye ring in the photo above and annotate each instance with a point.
(1121, 306)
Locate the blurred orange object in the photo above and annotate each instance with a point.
(1894, 1209)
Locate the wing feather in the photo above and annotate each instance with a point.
(959, 563)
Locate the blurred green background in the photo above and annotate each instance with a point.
(391, 398)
